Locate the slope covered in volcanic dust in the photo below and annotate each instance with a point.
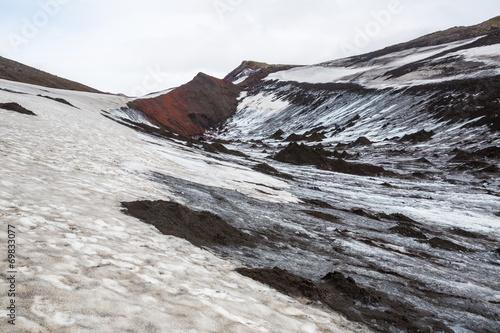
(367, 185)
(395, 156)
(85, 266)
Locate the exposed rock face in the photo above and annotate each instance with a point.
(203, 103)
(15, 71)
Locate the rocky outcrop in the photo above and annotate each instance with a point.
(201, 104)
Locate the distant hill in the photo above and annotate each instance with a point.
(15, 71)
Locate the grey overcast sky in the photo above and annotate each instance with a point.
(136, 47)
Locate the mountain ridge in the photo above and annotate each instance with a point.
(15, 71)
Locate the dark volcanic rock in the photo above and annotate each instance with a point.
(321, 215)
(318, 203)
(361, 141)
(341, 293)
(461, 156)
(201, 104)
(423, 160)
(418, 137)
(347, 286)
(343, 155)
(491, 169)
(210, 149)
(277, 135)
(200, 228)
(489, 152)
(317, 156)
(397, 217)
(16, 108)
(303, 155)
(362, 212)
(444, 244)
(465, 233)
(217, 147)
(315, 137)
(408, 231)
(59, 100)
(267, 169)
(294, 137)
(476, 156)
(283, 281)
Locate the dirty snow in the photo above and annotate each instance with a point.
(84, 266)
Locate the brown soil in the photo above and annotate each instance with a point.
(201, 228)
(16, 108)
(15, 71)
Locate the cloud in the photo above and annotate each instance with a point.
(114, 45)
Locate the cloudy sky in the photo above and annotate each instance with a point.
(135, 47)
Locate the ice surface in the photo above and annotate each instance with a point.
(84, 266)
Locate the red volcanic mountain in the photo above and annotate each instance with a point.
(194, 107)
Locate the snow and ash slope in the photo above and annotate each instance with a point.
(86, 267)
(401, 196)
(428, 111)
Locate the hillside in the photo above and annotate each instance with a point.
(355, 195)
(203, 103)
(15, 71)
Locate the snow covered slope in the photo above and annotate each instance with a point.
(428, 113)
(432, 64)
(433, 88)
(83, 266)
